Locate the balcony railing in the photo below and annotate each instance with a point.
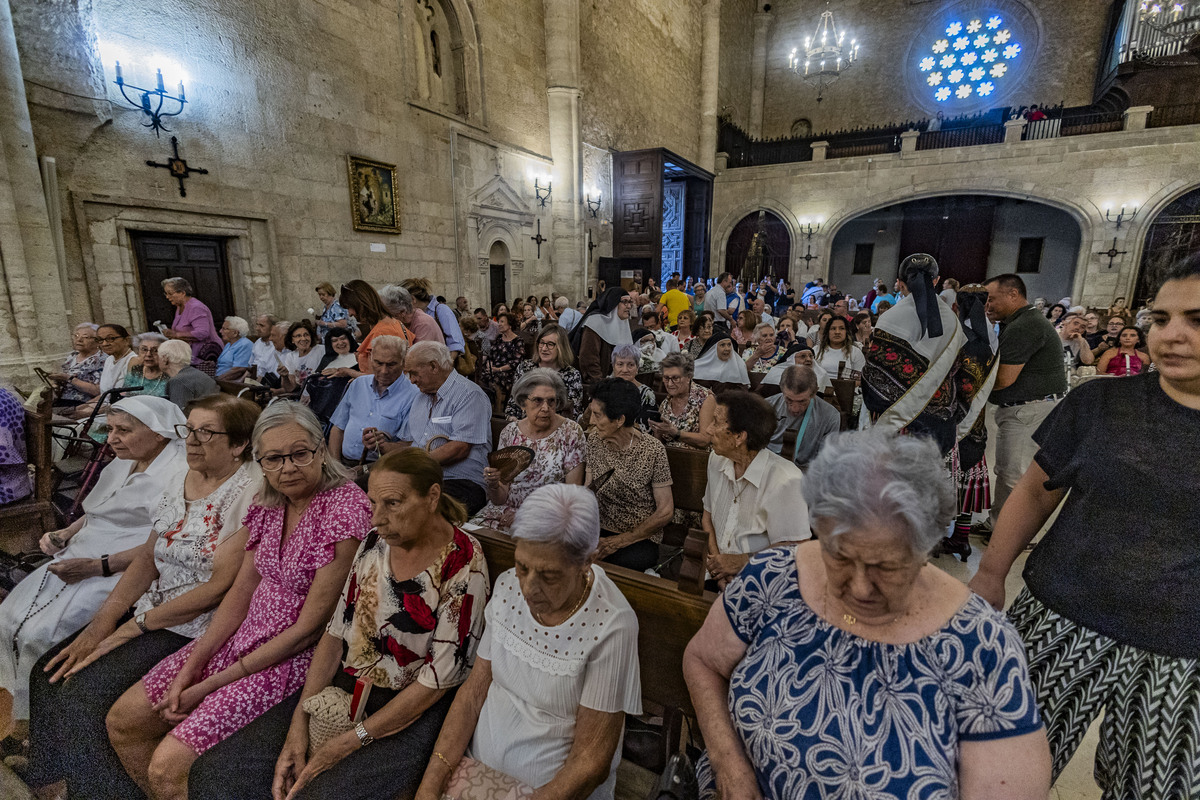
(960, 137)
(1094, 122)
(1182, 114)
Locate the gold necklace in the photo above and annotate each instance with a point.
(850, 619)
(587, 585)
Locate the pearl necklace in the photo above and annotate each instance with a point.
(587, 585)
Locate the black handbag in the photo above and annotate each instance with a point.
(14, 567)
(678, 780)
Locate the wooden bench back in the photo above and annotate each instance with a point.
(689, 475)
(667, 620)
(498, 425)
(23, 522)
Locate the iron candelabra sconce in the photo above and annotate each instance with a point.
(542, 193)
(151, 101)
(1121, 217)
(807, 229)
(594, 205)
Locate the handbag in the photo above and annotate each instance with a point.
(334, 711)
(474, 780)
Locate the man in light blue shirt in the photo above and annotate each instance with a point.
(452, 407)
(235, 359)
(375, 406)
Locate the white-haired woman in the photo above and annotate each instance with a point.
(687, 410)
(544, 704)
(79, 375)
(193, 321)
(144, 371)
(766, 353)
(626, 359)
(185, 383)
(932, 694)
(238, 353)
(303, 528)
(59, 598)
(558, 444)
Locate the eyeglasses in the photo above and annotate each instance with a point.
(672, 378)
(203, 435)
(626, 302)
(109, 339)
(542, 401)
(548, 345)
(300, 458)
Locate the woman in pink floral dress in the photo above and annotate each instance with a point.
(303, 530)
(558, 444)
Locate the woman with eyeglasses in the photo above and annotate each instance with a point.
(116, 344)
(552, 350)
(79, 376)
(558, 444)
(303, 529)
(59, 598)
(162, 602)
(145, 371)
(499, 366)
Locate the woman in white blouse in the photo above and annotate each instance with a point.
(302, 357)
(837, 348)
(557, 669)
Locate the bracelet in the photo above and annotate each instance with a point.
(105, 569)
(245, 669)
(442, 758)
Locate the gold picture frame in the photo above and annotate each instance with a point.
(373, 195)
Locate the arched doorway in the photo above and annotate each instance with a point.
(973, 237)
(759, 247)
(1174, 235)
(498, 272)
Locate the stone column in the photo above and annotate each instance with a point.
(758, 72)
(1013, 129)
(908, 142)
(819, 149)
(710, 63)
(568, 248)
(1136, 117)
(33, 321)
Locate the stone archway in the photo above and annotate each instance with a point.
(759, 246)
(498, 268)
(1172, 235)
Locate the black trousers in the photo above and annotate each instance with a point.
(243, 766)
(640, 555)
(67, 735)
(469, 493)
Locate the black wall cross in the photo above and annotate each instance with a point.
(178, 168)
(539, 238)
(1112, 253)
(809, 258)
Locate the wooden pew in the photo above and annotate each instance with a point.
(667, 620)
(25, 520)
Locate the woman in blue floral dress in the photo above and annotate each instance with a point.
(849, 667)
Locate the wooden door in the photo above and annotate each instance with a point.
(499, 291)
(638, 206)
(197, 259)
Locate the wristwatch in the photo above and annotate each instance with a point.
(140, 621)
(364, 738)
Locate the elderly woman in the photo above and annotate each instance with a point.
(604, 326)
(302, 358)
(719, 363)
(798, 354)
(703, 332)
(753, 497)
(932, 694)
(550, 722)
(332, 317)
(558, 446)
(687, 410)
(238, 354)
(339, 359)
(785, 333)
(500, 364)
(193, 321)
(402, 638)
(79, 375)
(185, 383)
(629, 472)
(551, 351)
(177, 577)
(303, 529)
(766, 352)
(145, 372)
(626, 361)
(649, 353)
(59, 598)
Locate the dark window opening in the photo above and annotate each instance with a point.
(1029, 254)
(864, 254)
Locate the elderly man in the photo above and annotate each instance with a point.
(452, 408)
(375, 406)
(185, 383)
(263, 354)
(268, 366)
(797, 407)
(238, 354)
(754, 498)
(400, 304)
(462, 306)
(568, 317)
(447, 322)
(760, 308)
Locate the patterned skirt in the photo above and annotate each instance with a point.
(973, 485)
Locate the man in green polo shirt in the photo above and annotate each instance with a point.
(1029, 382)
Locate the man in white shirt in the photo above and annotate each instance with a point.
(754, 498)
(262, 357)
(716, 301)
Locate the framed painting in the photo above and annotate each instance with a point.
(373, 195)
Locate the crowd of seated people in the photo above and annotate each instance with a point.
(255, 604)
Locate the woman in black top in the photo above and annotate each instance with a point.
(1111, 611)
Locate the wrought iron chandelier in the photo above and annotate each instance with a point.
(826, 54)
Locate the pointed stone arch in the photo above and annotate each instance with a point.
(445, 62)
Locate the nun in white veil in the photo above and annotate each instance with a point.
(57, 599)
(717, 362)
(604, 326)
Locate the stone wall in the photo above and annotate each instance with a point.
(1078, 174)
(641, 63)
(737, 42)
(873, 91)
